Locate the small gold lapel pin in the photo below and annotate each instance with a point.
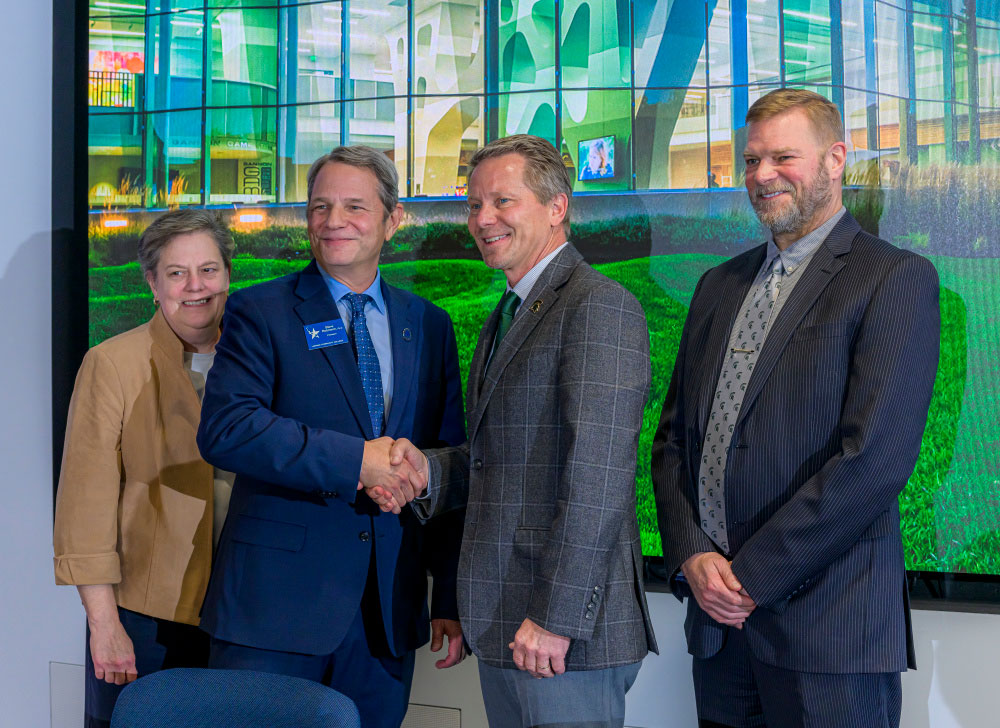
(536, 306)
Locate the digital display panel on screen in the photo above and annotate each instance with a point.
(597, 158)
(920, 175)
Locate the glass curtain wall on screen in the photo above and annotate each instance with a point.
(228, 102)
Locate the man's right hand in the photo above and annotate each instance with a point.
(391, 486)
(402, 454)
(717, 589)
(402, 449)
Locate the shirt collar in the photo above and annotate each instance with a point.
(802, 249)
(523, 287)
(338, 290)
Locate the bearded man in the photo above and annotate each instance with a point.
(792, 422)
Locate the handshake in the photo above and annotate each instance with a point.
(393, 472)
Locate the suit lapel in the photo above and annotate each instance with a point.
(318, 305)
(532, 310)
(734, 290)
(825, 264)
(407, 338)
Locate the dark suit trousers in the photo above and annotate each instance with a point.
(159, 644)
(734, 689)
(361, 667)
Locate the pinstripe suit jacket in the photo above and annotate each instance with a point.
(549, 473)
(826, 438)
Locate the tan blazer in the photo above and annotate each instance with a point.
(134, 505)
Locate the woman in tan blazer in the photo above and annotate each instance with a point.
(136, 505)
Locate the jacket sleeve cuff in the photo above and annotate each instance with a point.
(83, 569)
(564, 610)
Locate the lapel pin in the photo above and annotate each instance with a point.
(536, 306)
(407, 335)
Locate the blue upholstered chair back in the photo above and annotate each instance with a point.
(192, 698)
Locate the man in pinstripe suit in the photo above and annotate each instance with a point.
(793, 420)
(550, 587)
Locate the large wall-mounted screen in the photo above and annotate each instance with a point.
(228, 106)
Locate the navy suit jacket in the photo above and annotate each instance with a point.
(826, 438)
(294, 554)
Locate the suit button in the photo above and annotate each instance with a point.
(477, 464)
(365, 536)
(589, 615)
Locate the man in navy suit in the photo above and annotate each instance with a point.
(793, 420)
(315, 374)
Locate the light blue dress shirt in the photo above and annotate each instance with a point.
(794, 259)
(378, 326)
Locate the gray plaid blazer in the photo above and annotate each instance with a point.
(548, 473)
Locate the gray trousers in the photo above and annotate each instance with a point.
(578, 698)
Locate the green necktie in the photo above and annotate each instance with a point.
(508, 305)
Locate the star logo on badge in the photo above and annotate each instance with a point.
(313, 333)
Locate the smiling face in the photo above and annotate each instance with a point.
(347, 223)
(191, 283)
(512, 228)
(792, 177)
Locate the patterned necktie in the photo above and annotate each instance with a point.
(508, 305)
(737, 366)
(371, 373)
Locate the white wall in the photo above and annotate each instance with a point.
(38, 622)
(956, 684)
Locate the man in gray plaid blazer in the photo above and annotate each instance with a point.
(550, 574)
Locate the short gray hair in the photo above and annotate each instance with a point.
(362, 157)
(168, 226)
(544, 171)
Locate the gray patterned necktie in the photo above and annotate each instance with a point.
(745, 344)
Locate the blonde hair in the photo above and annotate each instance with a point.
(824, 116)
(544, 172)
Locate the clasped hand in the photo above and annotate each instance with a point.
(717, 590)
(393, 472)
